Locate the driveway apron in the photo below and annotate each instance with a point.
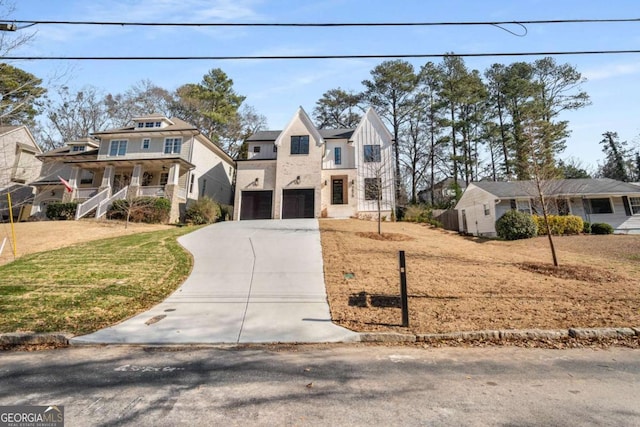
(252, 282)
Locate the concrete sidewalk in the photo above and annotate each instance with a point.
(252, 282)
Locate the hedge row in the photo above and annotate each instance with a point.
(560, 225)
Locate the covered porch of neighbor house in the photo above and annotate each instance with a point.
(126, 178)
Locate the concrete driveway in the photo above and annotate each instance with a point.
(252, 282)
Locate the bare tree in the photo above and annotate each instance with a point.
(379, 185)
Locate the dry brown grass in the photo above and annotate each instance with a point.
(42, 236)
(463, 283)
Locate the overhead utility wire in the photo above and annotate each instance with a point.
(299, 57)
(325, 24)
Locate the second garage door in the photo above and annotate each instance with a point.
(298, 203)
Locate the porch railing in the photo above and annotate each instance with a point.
(182, 193)
(151, 190)
(104, 205)
(86, 193)
(89, 205)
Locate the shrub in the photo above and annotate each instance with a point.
(515, 225)
(203, 211)
(421, 214)
(62, 211)
(151, 210)
(586, 227)
(559, 224)
(601, 228)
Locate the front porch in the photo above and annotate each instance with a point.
(119, 179)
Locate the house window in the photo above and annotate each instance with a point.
(164, 178)
(275, 148)
(634, 204)
(563, 207)
(193, 178)
(140, 125)
(337, 192)
(148, 124)
(371, 153)
(86, 177)
(337, 154)
(145, 143)
(256, 149)
(172, 145)
(78, 148)
(487, 211)
(523, 206)
(204, 187)
(118, 148)
(601, 206)
(300, 144)
(372, 187)
(158, 124)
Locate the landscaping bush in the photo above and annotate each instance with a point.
(203, 211)
(62, 211)
(601, 228)
(559, 225)
(586, 227)
(515, 225)
(150, 210)
(421, 214)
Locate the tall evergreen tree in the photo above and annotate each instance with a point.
(337, 109)
(615, 166)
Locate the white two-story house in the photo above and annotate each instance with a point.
(305, 172)
(156, 156)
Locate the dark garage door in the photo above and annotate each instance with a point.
(297, 203)
(256, 205)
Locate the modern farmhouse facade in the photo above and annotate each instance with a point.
(306, 172)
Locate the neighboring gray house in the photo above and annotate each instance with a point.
(595, 200)
(305, 172)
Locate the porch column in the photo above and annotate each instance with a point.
(68, 196)
(107, 178)
(171, 191)
(136, 176)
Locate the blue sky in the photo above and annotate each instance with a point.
(277, 88)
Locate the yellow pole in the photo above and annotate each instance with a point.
(13, 231)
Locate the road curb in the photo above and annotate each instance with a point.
(25, 339)
(504, 335)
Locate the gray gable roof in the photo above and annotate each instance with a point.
(272, 135)
(561, 187)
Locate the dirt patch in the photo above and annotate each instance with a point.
(394, 237)
(583, 273)
(458, 283)
(42, 236)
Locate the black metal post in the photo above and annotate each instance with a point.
(404, 300)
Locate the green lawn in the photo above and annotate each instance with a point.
(88, 286)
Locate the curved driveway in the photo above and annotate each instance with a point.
(252, 281)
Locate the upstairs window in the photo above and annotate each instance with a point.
(158, 124)
(172, 145)
(148, 124)
(78, 148)
(337, 155)
(372, 153)
(140, 125)
(145, 143)
(300, 144)
(118, 147)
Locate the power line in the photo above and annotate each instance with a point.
(325, 24)
(305, 57)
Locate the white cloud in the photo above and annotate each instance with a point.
(609, 71)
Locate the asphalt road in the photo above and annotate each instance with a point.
(328, 385)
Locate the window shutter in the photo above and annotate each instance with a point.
(513, 204)
(587, 206)
(627, 208)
